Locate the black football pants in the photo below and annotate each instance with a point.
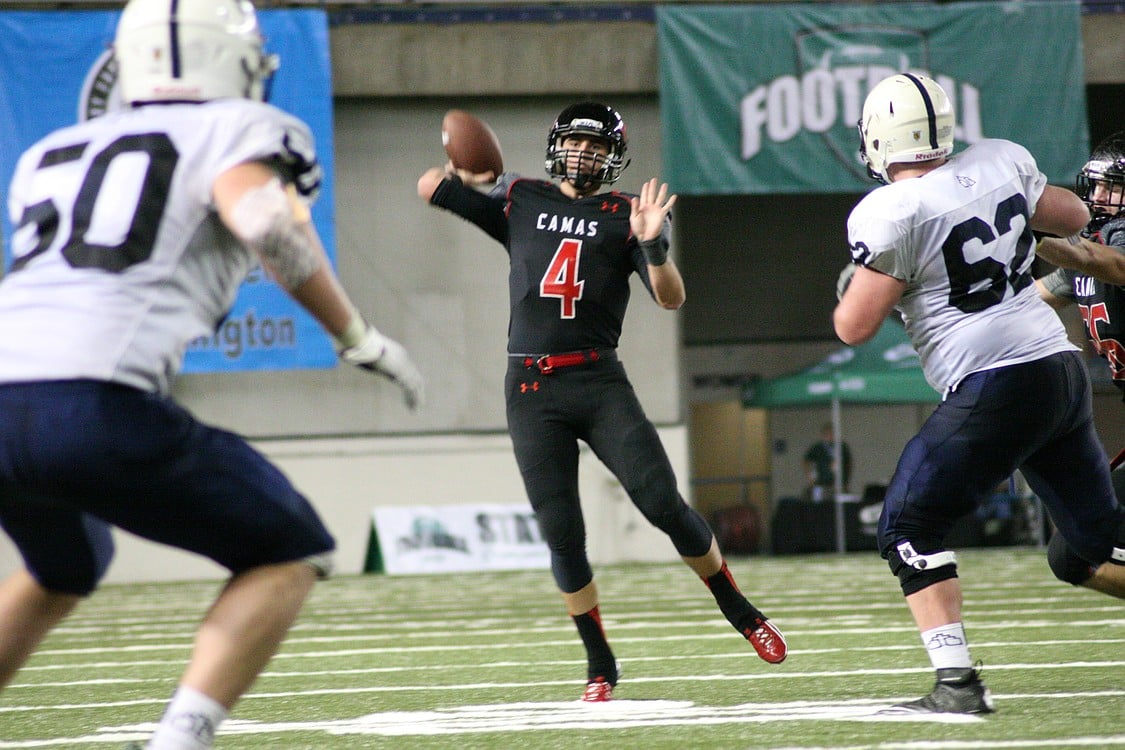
(594, 403)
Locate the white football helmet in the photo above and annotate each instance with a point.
(906, 118)
(191, 50)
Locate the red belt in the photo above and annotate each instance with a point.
(548, 363)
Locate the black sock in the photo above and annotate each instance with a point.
(599, 656)
(739, 612)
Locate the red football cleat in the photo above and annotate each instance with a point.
(767, 641)
(598, 691)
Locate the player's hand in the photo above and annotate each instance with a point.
(844, 279)
(385, 356)
(649, 209)
(472, 178)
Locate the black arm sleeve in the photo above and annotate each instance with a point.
(472, 205)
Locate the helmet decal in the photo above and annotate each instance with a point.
(930, 116)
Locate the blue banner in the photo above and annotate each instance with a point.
(56, 68)
(765, 98)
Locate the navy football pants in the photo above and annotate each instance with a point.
(77, 456)
(1035, 416)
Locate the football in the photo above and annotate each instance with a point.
(470, 143)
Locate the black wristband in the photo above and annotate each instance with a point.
(656, 252)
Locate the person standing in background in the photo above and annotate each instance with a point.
(819, 463)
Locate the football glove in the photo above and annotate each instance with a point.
(379, 354)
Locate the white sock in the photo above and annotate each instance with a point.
(947, 646)
(189, 722)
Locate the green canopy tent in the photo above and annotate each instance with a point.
(884, 370)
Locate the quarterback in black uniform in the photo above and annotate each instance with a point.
(1091, 271)
(572, 249)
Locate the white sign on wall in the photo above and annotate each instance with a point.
(451, 538)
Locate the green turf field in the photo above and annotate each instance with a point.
(489, 660)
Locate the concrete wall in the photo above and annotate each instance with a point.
(496, 58)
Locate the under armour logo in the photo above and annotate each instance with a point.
(610, 207)
(966, 181)
(525, 387)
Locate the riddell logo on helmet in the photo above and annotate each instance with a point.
(927, 155)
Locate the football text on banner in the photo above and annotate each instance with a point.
(56, 68)
(452, 538)
(766, 98)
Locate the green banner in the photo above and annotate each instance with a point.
(765, 99)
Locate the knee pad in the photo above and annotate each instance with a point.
(918, 571)
(1065, 564)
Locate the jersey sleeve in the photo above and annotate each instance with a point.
(1060, 283)
(484, 210)
(1032, 180)
(877, 236)
(265, 133)
(1112, 233)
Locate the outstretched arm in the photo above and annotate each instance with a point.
(271, 219)
(1103, 262)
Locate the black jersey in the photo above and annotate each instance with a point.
(1102, 305)
(570, 260)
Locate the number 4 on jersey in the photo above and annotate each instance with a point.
(561, 278)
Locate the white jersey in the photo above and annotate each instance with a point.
(119, 257)
(960, 238)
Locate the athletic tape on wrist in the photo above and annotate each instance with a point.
(353, 334)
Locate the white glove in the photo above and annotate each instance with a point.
(377, 353)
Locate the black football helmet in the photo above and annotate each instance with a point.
(1106, 169)
(592, 119)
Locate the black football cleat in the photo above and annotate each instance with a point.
(957, 691)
